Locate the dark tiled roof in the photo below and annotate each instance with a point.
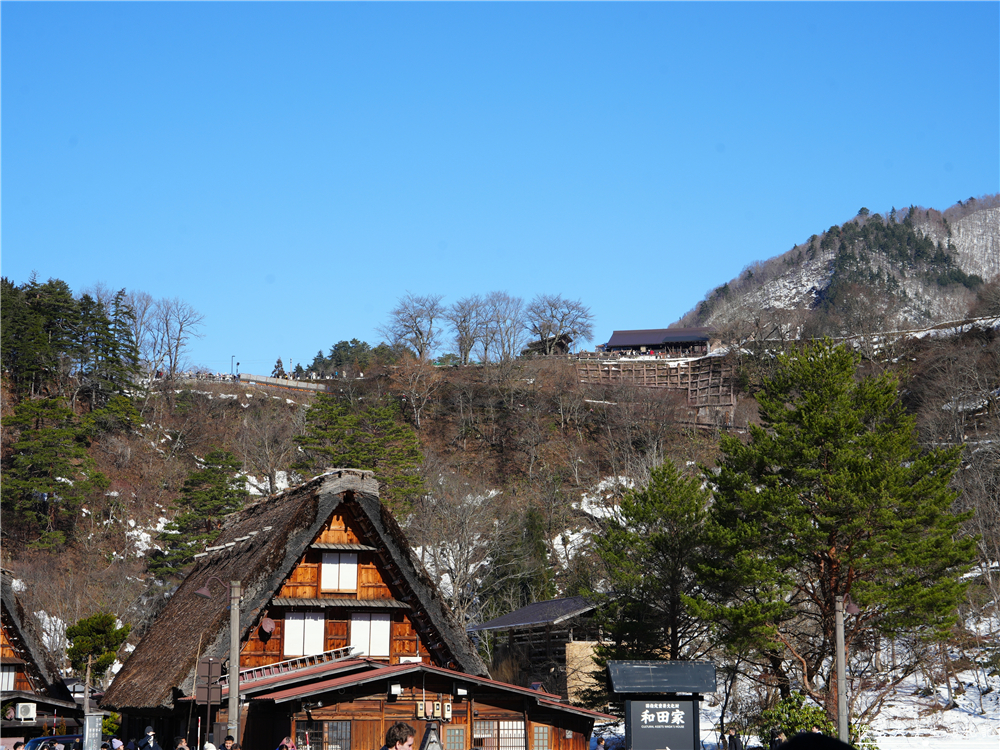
(551, 612)
(658, 336)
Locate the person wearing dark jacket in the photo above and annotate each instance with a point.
(149, 741)
(735, 743)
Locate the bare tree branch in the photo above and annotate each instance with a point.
(414, 321)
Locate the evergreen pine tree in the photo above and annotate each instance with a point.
(374, 437)
(832, 496)
(47, 475)
(646, 551)
(96, 641)
(209, 495)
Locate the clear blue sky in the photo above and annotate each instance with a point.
(292, 169)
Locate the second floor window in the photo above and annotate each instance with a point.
(305, 633)
(339, 571)
(370, 634)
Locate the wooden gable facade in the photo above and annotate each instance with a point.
(336, 597)
(14, 674)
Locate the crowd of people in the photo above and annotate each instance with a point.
(400, 737)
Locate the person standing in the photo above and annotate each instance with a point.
(735, 743)
(149, 741)
(400, 736)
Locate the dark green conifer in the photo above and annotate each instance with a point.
(48, 474)
(374, 437)
(646, 551)
(209, 495)
(832, 496)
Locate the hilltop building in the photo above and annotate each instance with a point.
(664, 342)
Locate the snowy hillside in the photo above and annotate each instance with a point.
(800, 279)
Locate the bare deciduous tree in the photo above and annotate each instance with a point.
(415, 321)
(175, 322)
(144, 329)
(463, 530)
(550, 317)
(467, 320)
(503, 334)
(417, 380)
(266, 437)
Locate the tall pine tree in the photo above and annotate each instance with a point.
(646, 550)
(831, 497)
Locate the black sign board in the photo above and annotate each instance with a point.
(658, 723)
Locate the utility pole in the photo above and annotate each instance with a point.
(234, 659)
(842, 730)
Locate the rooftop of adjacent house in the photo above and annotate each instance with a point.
(26, 641)
(348, 673)
(551, 612)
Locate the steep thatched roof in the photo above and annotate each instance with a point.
(260, 546)
(27, 643)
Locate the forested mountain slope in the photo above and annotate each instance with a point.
(909, 268)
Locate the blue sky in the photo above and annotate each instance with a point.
(292, 169)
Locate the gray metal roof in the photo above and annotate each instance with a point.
(550, 612)
(635, 677)
(658, 336)
(350, 603)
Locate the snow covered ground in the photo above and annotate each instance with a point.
(909, 721)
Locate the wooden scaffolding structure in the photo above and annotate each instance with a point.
(707, 381)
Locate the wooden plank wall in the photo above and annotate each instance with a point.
(304, 583)
(370, 718)
(706, 382)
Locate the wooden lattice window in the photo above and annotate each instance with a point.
(455, 738)
(498, 735)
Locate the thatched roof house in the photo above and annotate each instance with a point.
(29, 674)
(286, 550)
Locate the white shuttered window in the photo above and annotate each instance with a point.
(370, 634)
(339, 571)
(305, 633)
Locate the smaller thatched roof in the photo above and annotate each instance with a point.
(27, 644)
(260, 546)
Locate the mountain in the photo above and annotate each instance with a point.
(909, 268)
